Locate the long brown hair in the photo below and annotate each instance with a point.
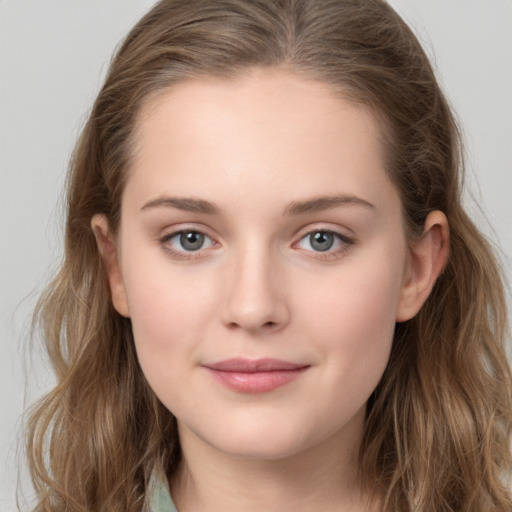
(438, 428)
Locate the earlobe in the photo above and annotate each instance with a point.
(427, 258)
(109, 254)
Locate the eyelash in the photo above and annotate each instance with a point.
(342, 243)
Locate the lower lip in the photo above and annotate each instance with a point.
(256, 382)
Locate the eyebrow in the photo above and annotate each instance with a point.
(187, 204)
(321, 203)
(317, 204)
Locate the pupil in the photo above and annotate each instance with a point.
(322, 241)
(191, 240)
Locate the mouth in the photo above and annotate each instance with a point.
(255, 376)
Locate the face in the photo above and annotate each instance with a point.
(262, 261)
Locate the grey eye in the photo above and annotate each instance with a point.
(191, 240)
(321, 241)
(187, 243)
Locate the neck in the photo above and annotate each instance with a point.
(323, 477)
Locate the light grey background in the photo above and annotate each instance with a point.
(53, 55)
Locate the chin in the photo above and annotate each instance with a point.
(262, 440)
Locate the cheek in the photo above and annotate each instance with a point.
(170, 310)
(354, 318)
(362, 295)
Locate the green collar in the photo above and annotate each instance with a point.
(159, 496)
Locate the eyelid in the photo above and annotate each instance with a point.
(326, 227)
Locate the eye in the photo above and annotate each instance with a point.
(187, 241)
(323, 241)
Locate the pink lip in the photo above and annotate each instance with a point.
(255, 376)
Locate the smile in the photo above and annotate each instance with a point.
(255, 376)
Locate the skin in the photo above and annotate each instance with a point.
(259, 150)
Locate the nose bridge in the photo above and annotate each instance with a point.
(253, 298)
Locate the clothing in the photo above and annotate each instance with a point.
(159, 496)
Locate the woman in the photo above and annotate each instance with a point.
(272, 297)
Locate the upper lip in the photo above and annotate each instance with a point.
(241, 365)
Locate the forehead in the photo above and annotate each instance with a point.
(257, 97)
(266, 129)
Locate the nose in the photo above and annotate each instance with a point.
(254, 295)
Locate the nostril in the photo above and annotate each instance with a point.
(266, 325)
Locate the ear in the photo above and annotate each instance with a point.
(427, 258)
(109, 253)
